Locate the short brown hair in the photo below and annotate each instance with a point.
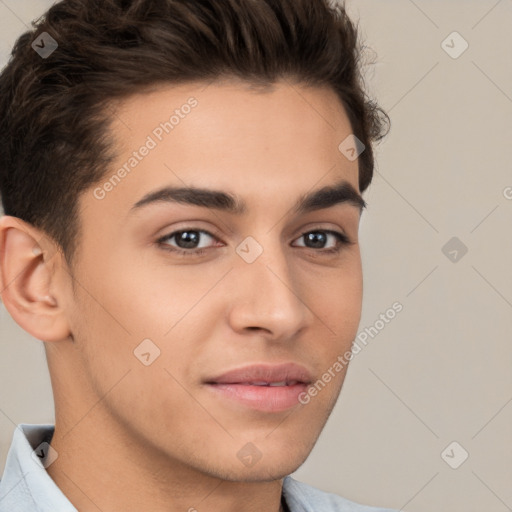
(54, 138)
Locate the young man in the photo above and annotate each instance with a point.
(182, 187)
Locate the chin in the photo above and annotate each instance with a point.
(275, 466)
(262, 473)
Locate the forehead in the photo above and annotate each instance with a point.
(276, 117)
(229, 136)
(236, 96)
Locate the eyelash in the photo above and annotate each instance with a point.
(342, 239)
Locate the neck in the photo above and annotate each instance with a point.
(101, 467)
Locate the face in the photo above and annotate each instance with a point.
(187, 305)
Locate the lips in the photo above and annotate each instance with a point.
(265, 375)
(267, 388)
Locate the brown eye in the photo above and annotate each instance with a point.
(187, 241)
(319, 238)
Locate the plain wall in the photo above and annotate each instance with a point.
(440, 371)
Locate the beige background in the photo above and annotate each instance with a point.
(440, 371)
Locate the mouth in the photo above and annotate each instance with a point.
(266, 388)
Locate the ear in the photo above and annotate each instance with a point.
(29, 261)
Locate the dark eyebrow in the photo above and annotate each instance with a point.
(342, 192)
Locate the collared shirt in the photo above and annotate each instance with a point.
(26, 486)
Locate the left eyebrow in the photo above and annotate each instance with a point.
(326, 197)
(342, 192)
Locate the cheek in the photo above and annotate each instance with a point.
(135, 299)
(339, 301)
(123, 304)
(339, 304)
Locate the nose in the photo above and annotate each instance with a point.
(269, 296)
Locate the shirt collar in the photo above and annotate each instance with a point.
(26, 485)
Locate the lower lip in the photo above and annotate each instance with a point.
(262, 398)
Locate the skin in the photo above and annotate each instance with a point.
(133, 437)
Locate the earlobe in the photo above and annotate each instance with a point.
(27, 272)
